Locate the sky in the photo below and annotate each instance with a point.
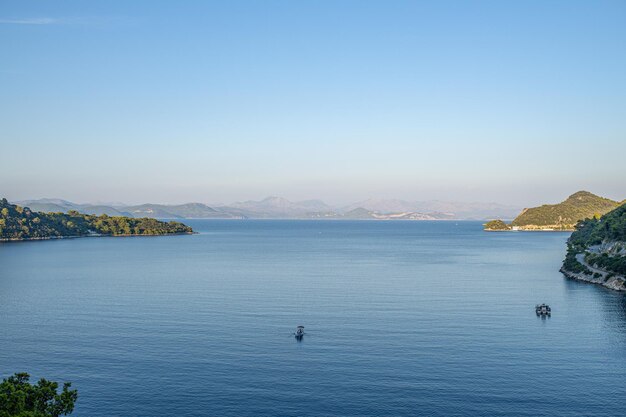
(169, 102)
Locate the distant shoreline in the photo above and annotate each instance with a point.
(27, 239)
(530, 230)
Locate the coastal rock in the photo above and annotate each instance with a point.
(616, 282)
(596, 251)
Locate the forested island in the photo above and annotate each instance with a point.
(497, 226)
(558, 217)
(20, 223)
(596, 251)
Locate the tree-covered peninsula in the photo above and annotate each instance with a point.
(559, 217)
(564, 215)
(596, 251)
(20, 223)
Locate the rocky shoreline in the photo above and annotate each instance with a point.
(615, 282)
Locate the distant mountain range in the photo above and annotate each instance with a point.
(281, 208)
(439, 209)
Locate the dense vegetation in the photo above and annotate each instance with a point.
(21, 223)
(571, 264)
(609, 228)
(565, 215)
(496, 225)
(20, 398)
(615, 264)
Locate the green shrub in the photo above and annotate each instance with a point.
(19, 398)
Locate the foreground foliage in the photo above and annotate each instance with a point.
(21, 223)
(611, 226)
(20, 398)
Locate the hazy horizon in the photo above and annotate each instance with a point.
(334, 204)
(226, 203)
(515, 103)
(533, 199)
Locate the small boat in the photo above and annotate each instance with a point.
(299, 332)
(543, 310)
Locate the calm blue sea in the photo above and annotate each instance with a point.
(401, 318)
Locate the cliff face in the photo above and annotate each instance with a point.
(596, 251)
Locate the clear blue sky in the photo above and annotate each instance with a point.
(516, 102)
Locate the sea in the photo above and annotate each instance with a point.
(402, 318)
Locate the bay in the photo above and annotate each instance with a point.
(401, 318)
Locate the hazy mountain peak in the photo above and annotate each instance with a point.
(55, 201)
(383, 205)
(275, 200)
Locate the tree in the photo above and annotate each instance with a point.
(19, 398)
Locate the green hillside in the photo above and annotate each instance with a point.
(565, 215)
(17, 223)
(610, 228)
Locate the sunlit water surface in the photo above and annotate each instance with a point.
(402, 318)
